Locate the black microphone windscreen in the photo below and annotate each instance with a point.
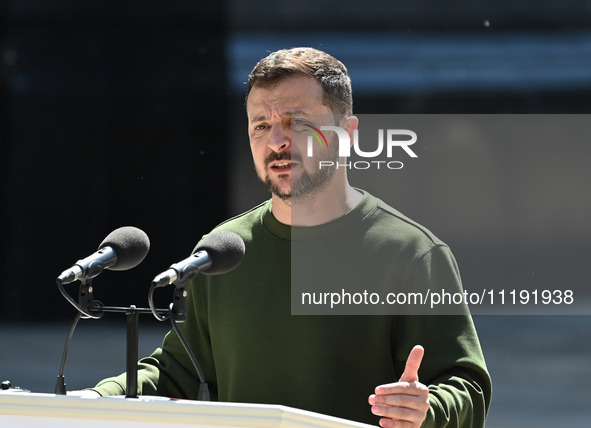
(131, 245)
(226, 250)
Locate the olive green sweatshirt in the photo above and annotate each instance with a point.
(253, 350)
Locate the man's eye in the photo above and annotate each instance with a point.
(298, 125)
(260, 127)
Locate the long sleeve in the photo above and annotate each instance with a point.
(453, 366)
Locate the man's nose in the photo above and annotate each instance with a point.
(280, 138)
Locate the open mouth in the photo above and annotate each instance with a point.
(278, 166)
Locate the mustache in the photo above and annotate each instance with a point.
(282, 156)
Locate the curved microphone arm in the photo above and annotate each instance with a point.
(84, 299)
(60, 385)
(153, 307)
(177, 313)
(203, 393)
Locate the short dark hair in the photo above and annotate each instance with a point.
(327, 70)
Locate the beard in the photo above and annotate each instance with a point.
(309, 184)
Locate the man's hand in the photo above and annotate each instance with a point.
(403, 404)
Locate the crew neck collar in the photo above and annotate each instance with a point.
(310, 233)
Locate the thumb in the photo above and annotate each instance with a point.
(411, 370)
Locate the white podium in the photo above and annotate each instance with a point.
(26, 410)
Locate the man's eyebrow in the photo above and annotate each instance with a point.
(263, 117)
(258, 118)
(298, 112)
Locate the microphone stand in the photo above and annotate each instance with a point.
(89, 308)
(178, 314)
(60, 385)
(132, 323)
(94, 309)
(85, 300)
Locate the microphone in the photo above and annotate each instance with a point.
(122, 249)
(219, 252)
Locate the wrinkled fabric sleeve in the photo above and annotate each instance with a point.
(453, 367)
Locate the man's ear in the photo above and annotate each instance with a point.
(350, 124)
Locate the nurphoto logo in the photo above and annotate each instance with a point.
(392, 142)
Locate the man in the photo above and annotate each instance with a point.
(240, 327)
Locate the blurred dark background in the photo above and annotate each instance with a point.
(113, 114)
(131, 113)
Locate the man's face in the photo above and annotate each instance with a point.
(282, 166)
